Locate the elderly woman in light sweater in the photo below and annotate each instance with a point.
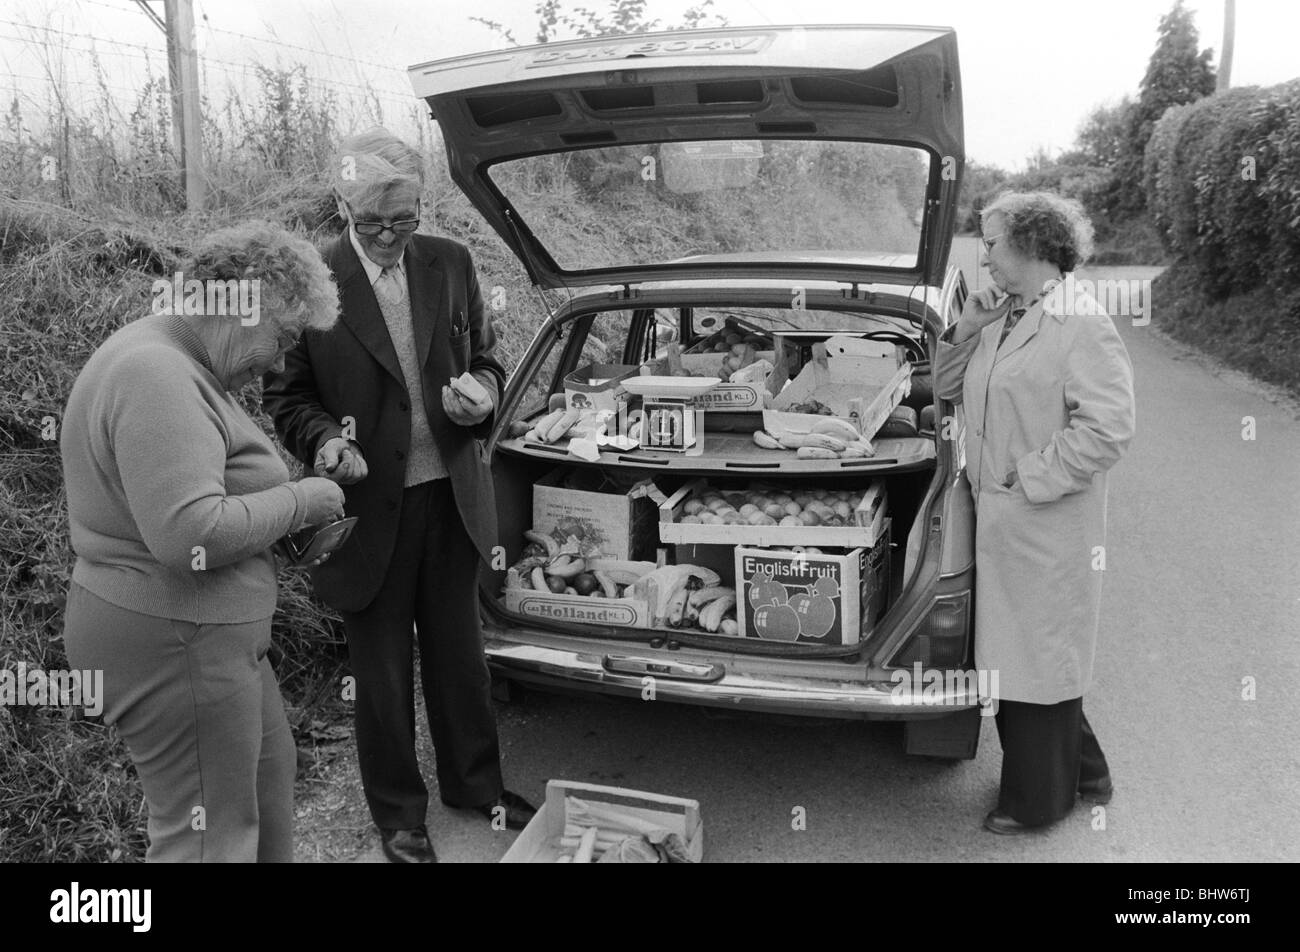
(175, 497)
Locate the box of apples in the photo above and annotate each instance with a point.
(774, 516)
(810, 596)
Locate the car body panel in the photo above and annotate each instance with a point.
(893, 85)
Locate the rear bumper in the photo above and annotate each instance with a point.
(584, 670)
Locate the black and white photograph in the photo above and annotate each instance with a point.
(651, 431)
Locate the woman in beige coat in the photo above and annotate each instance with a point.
(1047, 389)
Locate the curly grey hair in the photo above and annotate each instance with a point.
(292, 277)
(371, 162)
(1044, 225)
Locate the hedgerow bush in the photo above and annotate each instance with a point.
(1222, 177)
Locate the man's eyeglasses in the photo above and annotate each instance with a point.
(988, 241)
(372, 229)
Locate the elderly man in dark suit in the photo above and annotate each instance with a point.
(368, 405)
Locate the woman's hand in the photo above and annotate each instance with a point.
(324, 500)
(981, 309)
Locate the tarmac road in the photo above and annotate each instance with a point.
(1200, 606)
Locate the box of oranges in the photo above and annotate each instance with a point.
(810, 595)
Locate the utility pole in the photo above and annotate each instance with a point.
(1224, 78)
(183, 73)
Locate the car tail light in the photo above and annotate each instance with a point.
(939, 641)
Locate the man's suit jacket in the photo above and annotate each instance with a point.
(352, 371)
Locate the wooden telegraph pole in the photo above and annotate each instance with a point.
(1229, 35)
(183, 73)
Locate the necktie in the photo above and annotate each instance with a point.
(391, 284)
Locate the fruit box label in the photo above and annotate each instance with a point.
(731, 396)
(620, 527)
(808, 599)
(579, 609)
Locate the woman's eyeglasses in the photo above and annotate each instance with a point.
(988, 241)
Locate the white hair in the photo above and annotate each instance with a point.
(370, 163)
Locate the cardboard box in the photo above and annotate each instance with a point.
(621, 524)
(581, 609)
(828, 599)
(858, 385)
(597, 386)
(726, 397)
(869, 519)
(539, 842)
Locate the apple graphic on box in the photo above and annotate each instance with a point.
(816, 614)
(763, 590)
(826, 586)
(776, 623)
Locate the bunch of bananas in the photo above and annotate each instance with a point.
(831, 438)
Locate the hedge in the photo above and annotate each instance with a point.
(1222, 178)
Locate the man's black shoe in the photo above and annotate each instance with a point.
(518, 811)
(408, 846)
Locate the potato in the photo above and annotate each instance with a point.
(842, 509)
(748, 509)
(791, 521)
(793, 508)
(692, 507)
(691, 520)
(774, 510)
(755, 518)
(810, 518)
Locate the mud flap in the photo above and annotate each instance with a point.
(951, 737)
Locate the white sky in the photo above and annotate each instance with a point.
(1030, 71)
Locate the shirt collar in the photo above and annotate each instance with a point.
(373, 271)
(1055, 299)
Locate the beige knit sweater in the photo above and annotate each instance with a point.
(174, 492)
